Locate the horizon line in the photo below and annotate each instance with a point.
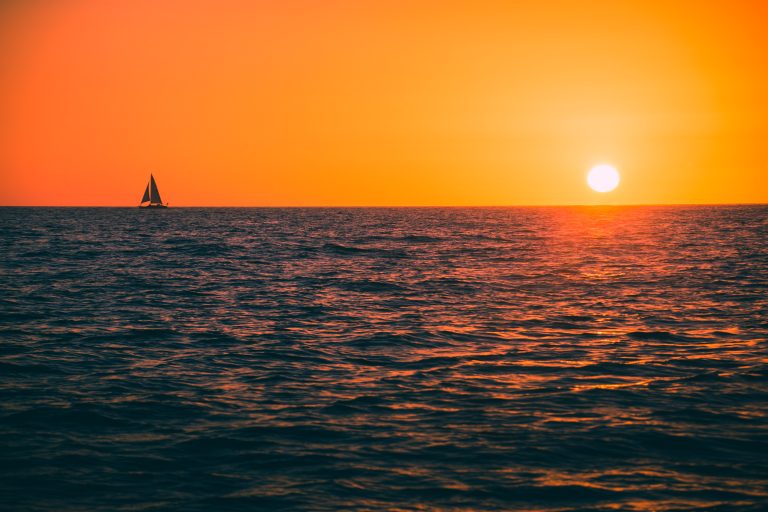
(400, 206)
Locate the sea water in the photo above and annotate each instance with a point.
(574, 358)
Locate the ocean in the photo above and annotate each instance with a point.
(411, 359)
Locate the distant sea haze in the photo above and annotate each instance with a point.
(453, 359)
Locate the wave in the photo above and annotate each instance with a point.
(347, 250)
(370, 286)
(661, 336)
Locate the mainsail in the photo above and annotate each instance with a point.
(154, 195)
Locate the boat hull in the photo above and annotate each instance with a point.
(154, 206)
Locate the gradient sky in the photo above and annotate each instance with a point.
(382, 103)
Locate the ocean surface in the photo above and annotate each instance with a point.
(411, 359)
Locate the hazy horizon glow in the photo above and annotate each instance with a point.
(381, 103)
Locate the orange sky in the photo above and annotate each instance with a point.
(382, 103)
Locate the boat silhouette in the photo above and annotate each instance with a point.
(152, 196)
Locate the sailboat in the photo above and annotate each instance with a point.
(152, 196)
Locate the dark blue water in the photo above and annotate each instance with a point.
(607, 358)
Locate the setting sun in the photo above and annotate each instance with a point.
(603, 178)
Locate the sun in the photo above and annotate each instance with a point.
(603, 178)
